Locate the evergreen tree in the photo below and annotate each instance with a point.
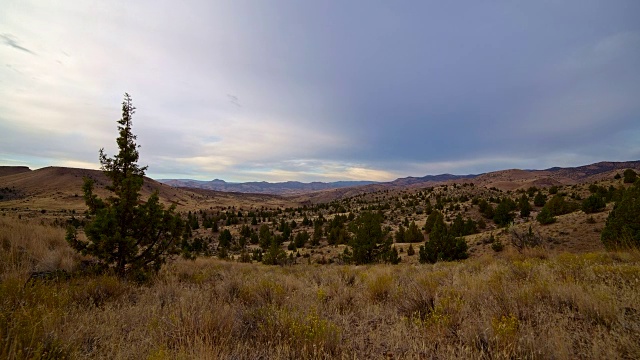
(503, 214)
(442, 245)
(317, 233)
(524, 206)
(623, 224)
(431, 219)
(539, 200)
(125, 235)
(301, 238)
(545, 217)
(368, 240)
(400, 234)
(265, 236)
(630, 176)
(594, 203)
(413, 233)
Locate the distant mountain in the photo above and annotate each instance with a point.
(511, 179)
(263, 187)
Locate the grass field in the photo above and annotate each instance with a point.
(532, 305)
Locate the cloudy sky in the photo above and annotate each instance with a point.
(322, 90)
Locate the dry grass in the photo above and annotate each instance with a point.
(518, 306)
(26, 245)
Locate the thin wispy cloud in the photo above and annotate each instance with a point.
(9, 40)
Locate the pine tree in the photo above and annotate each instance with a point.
(127, 236)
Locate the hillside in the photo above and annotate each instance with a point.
(58, 188)
(11, 170)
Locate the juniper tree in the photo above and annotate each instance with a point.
(622, 229)
(125, 234)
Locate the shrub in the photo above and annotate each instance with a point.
(630, 176)
(442, 245)
(594, 203)
(522, 240)
(545, 217)
(497, 246)
(539, 200)
(622, 228)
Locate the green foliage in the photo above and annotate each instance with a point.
(545, 217)
(594, 203)
(558, 205)
(622, 228)
(497, 245)
(413, 233)
(442, 245)
(411, 251)
(225, 239)
(125, 235)
(317, 233)
(265, 237)
(274, 255)
(553, 190)
(539, 200)
(369, 243)
(431, 220)
(486, 209)
(630, 176)
(400, 234)
(524, 206)
(301, 238)
(503, 214)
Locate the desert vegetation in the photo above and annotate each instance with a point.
(516, 305)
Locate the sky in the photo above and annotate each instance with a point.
(321, 90)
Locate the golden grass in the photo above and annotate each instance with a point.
(518, 306)
(26, 245)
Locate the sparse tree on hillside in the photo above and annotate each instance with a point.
(594, 203)
(125, 235)
(622, 229)
(442, 245)
(524, 206)
(539, 200)
(630, 176)
(413, 233)
(369, 243)
(545, 217)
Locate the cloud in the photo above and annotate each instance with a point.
(11, 41)
(250, 91)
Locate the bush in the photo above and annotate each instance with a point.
(594, 203)
(630, 176)
(545, 217)
(442, 245)
(622, 228)
(497, 246)
(522, 240)
(539, 200)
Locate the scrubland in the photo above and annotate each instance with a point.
(508, 305)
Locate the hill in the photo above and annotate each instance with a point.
(11, 170)
(58, 188)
